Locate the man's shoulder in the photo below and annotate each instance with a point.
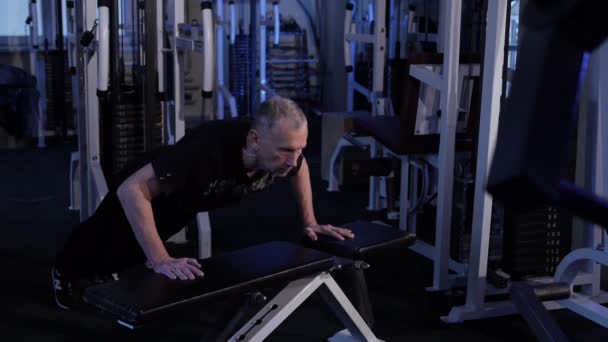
(220, 136)
(216, 127)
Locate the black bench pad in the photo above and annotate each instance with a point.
(369, 237)
(141, 293)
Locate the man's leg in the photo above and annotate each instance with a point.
(98, 247)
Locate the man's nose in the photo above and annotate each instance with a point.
(292, 160)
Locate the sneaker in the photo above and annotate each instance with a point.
(102, 278)
(65, 293)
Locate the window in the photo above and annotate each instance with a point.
(13, 22)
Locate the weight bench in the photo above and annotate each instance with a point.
(141, 296)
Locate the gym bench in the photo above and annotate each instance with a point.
(141, 294)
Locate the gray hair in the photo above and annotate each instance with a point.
(275, 109)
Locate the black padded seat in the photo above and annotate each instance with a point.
(397, 133)
(141, 293)
(389, 132)
(369, 238)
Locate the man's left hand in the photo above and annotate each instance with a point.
(326, 229)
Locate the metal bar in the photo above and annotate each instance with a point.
(178, 73)
(208, 47)
(278, 309)
(151, 75)
(59, 86)
(429, 251)
(292, 61)
(488, 128)
(267, 89)
(253, 51)
(159, 45)
(262, 50)
(404, 195)
(231, 101)
(87, 106)
(361, 89)
(602, 157)
(449, 101)
(277, 22)
(361, 38)
(350, 92)
(531, 309)
(342, 307)
(587, 308)
(219, 13)
(33, 12)
(428, 77)
(379, 48)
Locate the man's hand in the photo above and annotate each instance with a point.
(182, 268)
(326, 229)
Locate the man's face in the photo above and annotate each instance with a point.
(280, 147)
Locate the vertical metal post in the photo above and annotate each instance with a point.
(253, 47)
(449, 102)
(178, 73)
(151, 76)
(87, 109)
(603, 114)
(219, 9)
(262, 50)
(379, 49)
(34, 69)
(488, 128)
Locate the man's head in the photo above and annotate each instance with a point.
(278, 135)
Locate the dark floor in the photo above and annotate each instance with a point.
(34, 220)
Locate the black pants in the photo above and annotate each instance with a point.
(104, 243)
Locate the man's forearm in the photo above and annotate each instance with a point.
(303, 193)
(138, 209)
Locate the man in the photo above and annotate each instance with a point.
(218, 163)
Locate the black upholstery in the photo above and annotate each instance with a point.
(369, 237)
(141, 293)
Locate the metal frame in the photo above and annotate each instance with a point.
(374, 95)
(90, 180)
(34, 40)
(378, 40)
(581, 266)
(445, 176)
(265, 89)
(185, 44)
(368, 143)
(292, 296)
(177, 106)
(490, 109)
(224, 92)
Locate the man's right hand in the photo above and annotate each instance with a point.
(182, 268)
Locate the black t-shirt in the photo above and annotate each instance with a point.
(202, 172)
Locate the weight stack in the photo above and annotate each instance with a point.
(128, 141)
(462, 223)
(239, 73)
(536, 241)
(59, 107)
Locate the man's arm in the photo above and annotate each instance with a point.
(135, 195)
(303, 193)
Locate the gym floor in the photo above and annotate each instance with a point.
(34, 221)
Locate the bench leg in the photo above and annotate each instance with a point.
(291, 297)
